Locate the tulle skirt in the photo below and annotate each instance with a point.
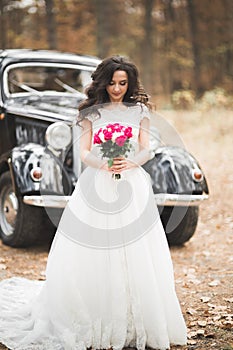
(109, 277)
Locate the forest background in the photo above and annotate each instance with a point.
(183, 48)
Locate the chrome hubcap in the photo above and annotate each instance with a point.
(9, 211)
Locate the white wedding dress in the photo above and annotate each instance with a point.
(109, 276)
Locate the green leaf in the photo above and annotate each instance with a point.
(110, 162)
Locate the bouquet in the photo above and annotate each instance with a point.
(114, 141)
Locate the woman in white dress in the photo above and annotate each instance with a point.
(109, 277)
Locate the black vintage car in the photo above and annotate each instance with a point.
(39, 160)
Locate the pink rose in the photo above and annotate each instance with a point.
(118, 128)
(128, 132)
(111, 126)
(121, 140)
(107, 135)
(99, 131)
(97, 139)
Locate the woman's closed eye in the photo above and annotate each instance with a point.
(120, 83)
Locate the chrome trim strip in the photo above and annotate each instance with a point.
(170, 199)
(166, 199)
(50, 201)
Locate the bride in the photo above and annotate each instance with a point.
(109, 277)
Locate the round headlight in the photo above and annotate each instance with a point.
(58, 135)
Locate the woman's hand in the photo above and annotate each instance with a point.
(120, 164)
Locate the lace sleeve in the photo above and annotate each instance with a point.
(144, 111)
(92, 117)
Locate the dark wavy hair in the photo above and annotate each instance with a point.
(102, 76)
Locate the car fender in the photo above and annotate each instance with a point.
(171, 172)
(22, 159)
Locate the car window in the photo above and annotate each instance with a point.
(47, 78)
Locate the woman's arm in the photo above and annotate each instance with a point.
(144, 134)
(85, 138)
(85, 147)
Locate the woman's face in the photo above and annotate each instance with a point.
(118, 86)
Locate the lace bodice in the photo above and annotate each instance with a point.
(125, 115)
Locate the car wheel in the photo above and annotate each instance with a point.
(179, 223)
(21, 225)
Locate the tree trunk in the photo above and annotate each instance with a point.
(102, 8)
(51, 25)
(170, 36)
(3, 30)
(195, 47)
(147, 52)
(228, 28)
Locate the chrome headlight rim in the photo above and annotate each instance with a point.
(58, 136)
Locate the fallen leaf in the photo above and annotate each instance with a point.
(191, 271)
(192, 334)
(212, 305)
(200, 332)
(230, 300)
(221, 307)
(185, 285)
(191, 311)
(207, 313)
(206, 253)
(210, 335)
(3, 267)
(210, 322)
(214, 283)
(227, 324)
(202, 323)
(28, 272)
(205, 299)
(194, 281)
(216, 318)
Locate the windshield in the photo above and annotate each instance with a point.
(38, 78)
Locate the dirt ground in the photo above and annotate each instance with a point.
(203, 267)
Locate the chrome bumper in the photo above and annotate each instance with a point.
(49, 201)
(167, 199)
(170, 199)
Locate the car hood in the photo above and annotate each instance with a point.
(57, 106)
